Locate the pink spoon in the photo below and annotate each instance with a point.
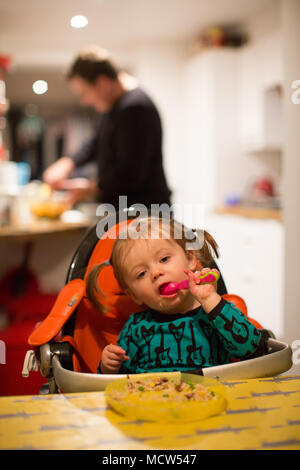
(173, 287)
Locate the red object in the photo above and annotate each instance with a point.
(25, 306)
(11, 380)
(31, 307)
(9, 283)
(26, 312)
(3, 153)
(5, 62)
(264, 187)
(173, 287)
(66, 302)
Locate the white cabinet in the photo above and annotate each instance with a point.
(259, 108)
(232, 108)
(211, 157)
(251, 261)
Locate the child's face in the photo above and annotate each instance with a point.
(151, 263)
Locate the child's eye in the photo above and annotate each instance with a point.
(140, 275)
(164, 259)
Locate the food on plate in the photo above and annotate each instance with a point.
(166, 397)
(165, 389)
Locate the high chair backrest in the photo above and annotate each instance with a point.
(93, 330)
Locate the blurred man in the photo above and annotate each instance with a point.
(127, 144)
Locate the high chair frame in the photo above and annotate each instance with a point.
(57, 355)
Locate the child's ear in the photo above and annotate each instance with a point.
(133, 297)
(193, 261)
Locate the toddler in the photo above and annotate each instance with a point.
(185, 331)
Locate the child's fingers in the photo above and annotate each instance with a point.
(113, 348)
(191, 277)
(189, 272)
(215, 271)
(113, 362)
(116, 353)
(114, 357)
(203, 271)
(117, 357)
(196, 276)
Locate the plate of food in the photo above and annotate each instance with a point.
(168, 397)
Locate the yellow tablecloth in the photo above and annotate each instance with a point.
(261, 414)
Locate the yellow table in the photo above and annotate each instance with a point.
(261, 414)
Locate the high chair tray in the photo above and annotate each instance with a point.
(277, 361)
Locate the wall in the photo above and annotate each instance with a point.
(159, 66)
(176, 83)
(261, 68)
(210, 130)
(291, 33)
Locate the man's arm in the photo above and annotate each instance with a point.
(86, 153)
(58, 171)
(64, 166)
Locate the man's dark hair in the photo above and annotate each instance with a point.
(92, 62)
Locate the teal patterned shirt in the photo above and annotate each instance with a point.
(157, 342)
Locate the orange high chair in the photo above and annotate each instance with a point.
(69, 342)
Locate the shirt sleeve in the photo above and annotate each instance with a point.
(87, 152)
(128, 342)
(239, 337)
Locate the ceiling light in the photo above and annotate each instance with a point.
(79, 21)
(40, 87)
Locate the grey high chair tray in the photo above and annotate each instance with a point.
(277, 361)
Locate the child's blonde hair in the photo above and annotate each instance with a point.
(200, 242)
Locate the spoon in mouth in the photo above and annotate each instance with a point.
(173, 287)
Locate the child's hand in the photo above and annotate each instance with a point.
(206, 294)
(112, 358)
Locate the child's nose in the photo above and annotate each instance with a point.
(156, 273)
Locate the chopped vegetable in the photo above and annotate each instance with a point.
(192, 386)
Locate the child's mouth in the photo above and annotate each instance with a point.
(165, 294)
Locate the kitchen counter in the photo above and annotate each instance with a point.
(38, 229)
(250, 212)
